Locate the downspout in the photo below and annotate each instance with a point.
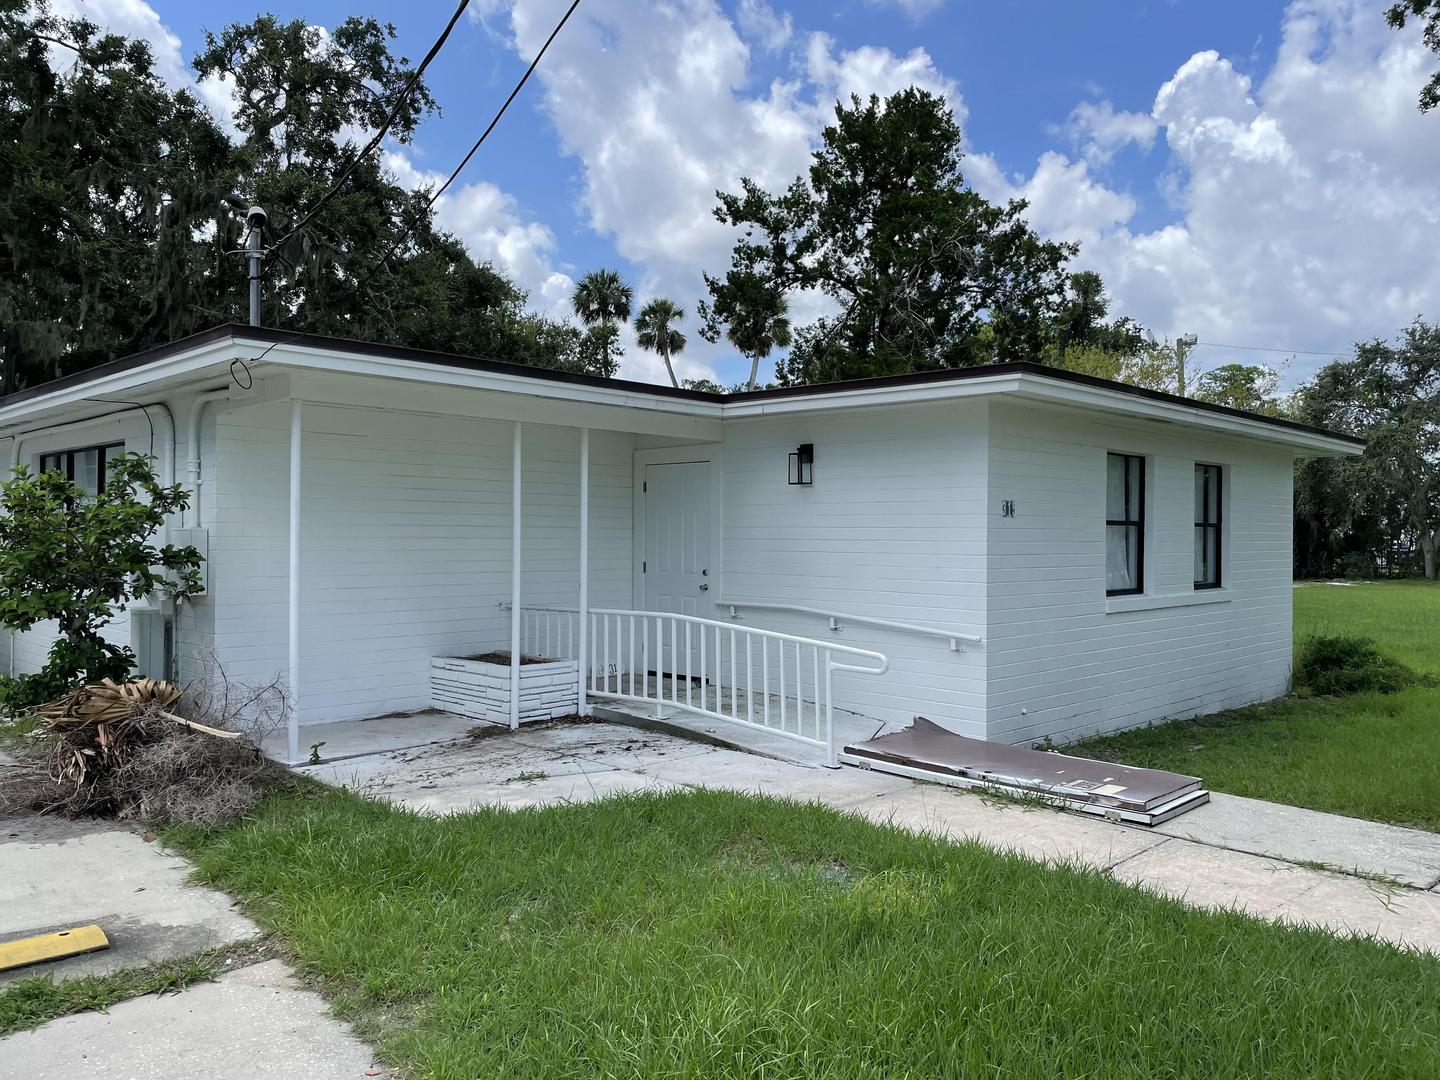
(516, 505)
(192, 448)
(581, 669)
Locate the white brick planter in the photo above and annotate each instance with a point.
(481, 689)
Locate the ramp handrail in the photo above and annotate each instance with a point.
(955, 637)
(762, 679)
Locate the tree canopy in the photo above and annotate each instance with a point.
(1389, 498)
(922, 270)
(122, 200)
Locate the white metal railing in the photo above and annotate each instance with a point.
(762, 679)
(955, 637)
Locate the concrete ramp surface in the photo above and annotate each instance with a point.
(926, 751)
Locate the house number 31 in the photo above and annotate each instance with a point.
(1007, 508)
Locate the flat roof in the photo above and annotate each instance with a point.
(276, 337)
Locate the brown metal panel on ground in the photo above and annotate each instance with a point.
(929, 747)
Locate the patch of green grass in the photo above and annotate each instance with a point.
(1367, 755)
(711, 934)
(28, 1003)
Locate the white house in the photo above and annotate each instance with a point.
(1014, 552)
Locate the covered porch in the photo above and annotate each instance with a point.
(456, 557)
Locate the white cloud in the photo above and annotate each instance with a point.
(1100, 130)
(1066, 202)
(916, 9)
(1305, 210)
(759, 22)
(494, 229)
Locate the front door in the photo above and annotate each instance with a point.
(676, 558)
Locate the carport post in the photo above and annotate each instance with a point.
(515, 462)
(583, 639)
(293, 726)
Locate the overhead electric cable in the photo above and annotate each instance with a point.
(365, 151)
(1262, 348)
(435, 195)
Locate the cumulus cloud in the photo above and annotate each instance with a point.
(494, 229)
(1304, 208)
(916, 9)
(1100, 130)
(760, 23)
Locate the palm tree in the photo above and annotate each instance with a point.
(602, 298)
(761, 328)
(655, 330)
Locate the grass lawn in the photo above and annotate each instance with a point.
(708, 934)
(1371, 756)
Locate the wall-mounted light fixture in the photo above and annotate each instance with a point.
(802, 464)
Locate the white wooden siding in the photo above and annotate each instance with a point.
(1062, 663)
(405, 545)
(893, 527)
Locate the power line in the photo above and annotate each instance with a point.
(435, 195)
(400, 101)
(1261, 348)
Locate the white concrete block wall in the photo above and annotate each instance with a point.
(893, 527)
(406, 545)
(1063, 661)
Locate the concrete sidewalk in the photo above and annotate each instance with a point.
(254, 1021)
(1279, 862)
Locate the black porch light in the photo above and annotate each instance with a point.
(802, 464)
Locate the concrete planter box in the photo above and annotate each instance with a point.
(480, 688)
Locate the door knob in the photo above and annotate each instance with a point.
(705, 588)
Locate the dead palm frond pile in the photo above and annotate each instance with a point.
(121, 749)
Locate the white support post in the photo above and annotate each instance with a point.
(293, 742)
(515, 506)
(583, 706)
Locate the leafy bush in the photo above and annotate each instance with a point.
(1348, 665)
(78, 559)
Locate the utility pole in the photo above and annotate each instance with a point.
(1183, 344)
(255, 218)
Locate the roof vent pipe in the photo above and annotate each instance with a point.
(255, 219)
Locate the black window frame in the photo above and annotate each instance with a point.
(1137, 522)
(1218, 471)
(64, 461)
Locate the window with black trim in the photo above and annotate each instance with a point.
(1124, 524)
(85, 468)
(1208, 479)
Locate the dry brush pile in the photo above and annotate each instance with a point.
(148, 751)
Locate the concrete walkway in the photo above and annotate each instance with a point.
(1259, 857)
(1279, 862)
(255, 1021)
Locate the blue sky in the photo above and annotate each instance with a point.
(1255, 172)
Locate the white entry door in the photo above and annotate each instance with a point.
(677, 548)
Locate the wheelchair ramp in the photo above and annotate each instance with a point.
(926, 751)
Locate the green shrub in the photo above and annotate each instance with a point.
(1348, 665)
(78, 559)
